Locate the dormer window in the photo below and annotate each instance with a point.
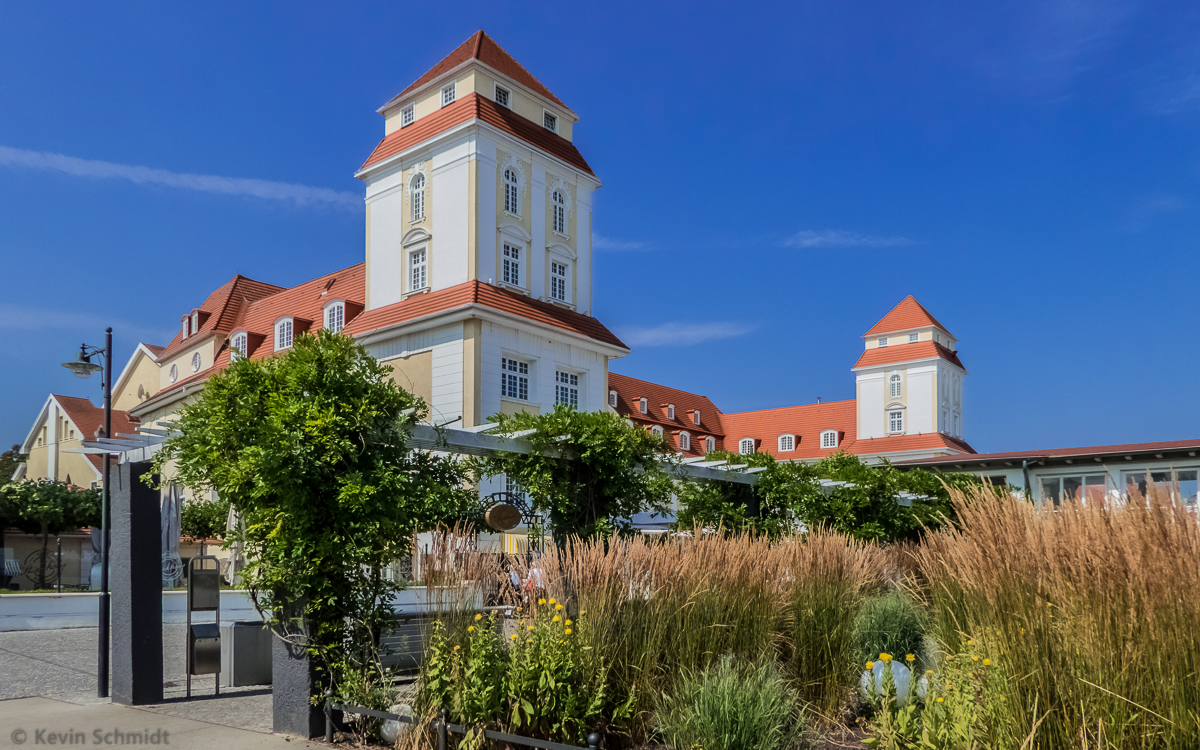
(787, 443)
(656, 430)
(283, 334)
(710, 444)
(643, 406)
(685, 441)
(912, 337)
(670, 411)
(238, 346)
(195, 322)
(335, 317)
(448, 93)
(503, 96)
(883, 341)
(184, 331)
(612, 399)
(829, 439)
(407, 116)
(550, 121)
(746, 446)
(696, 416)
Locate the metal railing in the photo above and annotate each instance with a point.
(444, 728)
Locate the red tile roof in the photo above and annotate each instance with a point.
(478, 293)
(222, 306)
(155, 350)
(483, 48)
(1092, 450)
(908, 314)
(886, 355)
(896, 443)
(806, 422)
(474, 107)
(630, 390)
(89, 420)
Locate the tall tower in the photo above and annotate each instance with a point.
(909, 378)
(479, 243)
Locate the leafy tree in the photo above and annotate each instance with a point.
(48, 507)
(9, 461)
(590, 470)
(730, 506)
(309, 448)
(204, 519)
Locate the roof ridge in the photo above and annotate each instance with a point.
(793, 406)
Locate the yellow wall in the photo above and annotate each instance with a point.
(516, 407)
(207, 347)
(414, 374)
(75, 466)
(141, 383)
(472, 348)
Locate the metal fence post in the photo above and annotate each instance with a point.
(443, 716)
(594, 741)
(328, 718)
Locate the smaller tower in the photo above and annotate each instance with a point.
(909, 379)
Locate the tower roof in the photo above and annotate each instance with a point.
(483, 48)
(908, 314)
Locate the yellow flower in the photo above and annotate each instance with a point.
(970, 642)
(928, 672)
(513, 637)
(552, 601)
(870, 665)
(568, 623)
(558, 606)
(885, 658)
(910, 658)
(541, 601)
(478, 618)
(529, 640)
(941, 700)
(987, 662)
(567, 631)
(974, 658)
(470, 628)
(556, 619)
(530, 627)
(971, 675)
(457, 648)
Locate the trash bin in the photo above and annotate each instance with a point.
(246, 656)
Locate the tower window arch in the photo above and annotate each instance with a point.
(746, 446)
(558, 211)
(894, 385)
(512, 202)
(417, 197)
(787, 443)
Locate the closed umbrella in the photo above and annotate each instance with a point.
(170, 520)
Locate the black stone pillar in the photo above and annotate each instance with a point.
(293, 683)
(135, 575)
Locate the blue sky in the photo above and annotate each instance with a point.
(776, 178)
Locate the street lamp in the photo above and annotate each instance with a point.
(83, 367)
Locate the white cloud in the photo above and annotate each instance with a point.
(682, 334)
(608, 243)
(301, 195)
(838, 238)
(89, 325)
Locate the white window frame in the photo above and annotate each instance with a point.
(914, 338)
(710, 444)
(895, 385)
(685, 440)
(670, 411)
(643, 405)
(829, 439)
(186, 326)
(696, 417)
(284, 334)
(787, 443)
(173, 373)
(566, 388)
(512, 191)
(656, 430)
(895, 421)
(612, 399)
(449, 93)
(197, 360)
(408, 116)
(746, 446)
(882, 341)
(334, 316)
(560, 280)
(416, 198)
(507, 96)
(418, 268)
(238, 343)
(195, 322)
(510, 264)
(549, 120)
(514, 379)
(558, 212)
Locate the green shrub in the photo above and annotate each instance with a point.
(731, 706)
(889, 624)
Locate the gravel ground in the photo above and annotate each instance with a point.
(62, 664)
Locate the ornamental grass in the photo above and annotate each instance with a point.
(1090, 612)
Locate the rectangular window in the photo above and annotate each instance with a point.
(670, 411)
(284, 338)
(1165, 484)
(512, 265)
(514, 379)
(883, 341)
(407, 115)
(418, 265)
(558, 281)
(566, 389)
(336, 318)
(912, 338)
(448, 94)
(612, 399)
(696, 417)
(512, 488)
(896, 421)
(502, 96)
(550, 121)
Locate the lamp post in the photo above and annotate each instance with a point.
(83, 367)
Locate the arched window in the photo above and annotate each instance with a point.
(417, 196)
(670, 411)
(612, 399)
(746, 446)
(512, 203)
(894, 382)
(283, 334)
(642, 405)
(696, 417)
(656, 430)
(184, 330)
(787, 443)
(237, 346)
(335, 317)
(710, 444)
(685, 441)
(558, 209)
(829, 439)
